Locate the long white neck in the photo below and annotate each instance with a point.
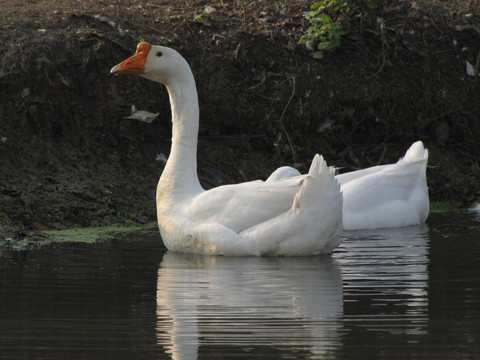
(180, 173)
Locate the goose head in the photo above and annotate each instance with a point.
(153, 62)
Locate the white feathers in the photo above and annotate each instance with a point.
(389, 195)
(292, 216)
(141, 115)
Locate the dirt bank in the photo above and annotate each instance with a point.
(70, 157)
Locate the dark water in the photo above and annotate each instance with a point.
(411, 293)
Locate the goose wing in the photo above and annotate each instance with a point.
(244, 205)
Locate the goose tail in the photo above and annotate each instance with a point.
(416, 153)
(320, 201)
(319, 182)
(313, 223)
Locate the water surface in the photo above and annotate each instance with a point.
(392, 294)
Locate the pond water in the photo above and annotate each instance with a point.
(411, 293)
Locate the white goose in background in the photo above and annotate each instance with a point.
(293, 216)
(383, 196)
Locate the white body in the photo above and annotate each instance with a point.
(389, 195)
(294, 216)
(393, 195)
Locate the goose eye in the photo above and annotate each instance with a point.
(159, 54)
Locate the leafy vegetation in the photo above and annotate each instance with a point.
(330, 20)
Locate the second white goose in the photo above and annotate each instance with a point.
(384, 196)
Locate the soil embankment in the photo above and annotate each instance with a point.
(70, 157)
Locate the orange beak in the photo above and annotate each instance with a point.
(135, 64)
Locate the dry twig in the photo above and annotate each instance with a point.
(283, 115)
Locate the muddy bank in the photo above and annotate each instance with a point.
(70, 157)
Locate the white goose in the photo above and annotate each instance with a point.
(384, 196)
(295, 216)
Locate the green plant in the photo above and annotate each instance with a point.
(203, 19)
(329, 21)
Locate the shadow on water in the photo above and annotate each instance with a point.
(79, 301)
(392, 293)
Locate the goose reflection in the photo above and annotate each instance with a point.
(388, 268)
(280, 302)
